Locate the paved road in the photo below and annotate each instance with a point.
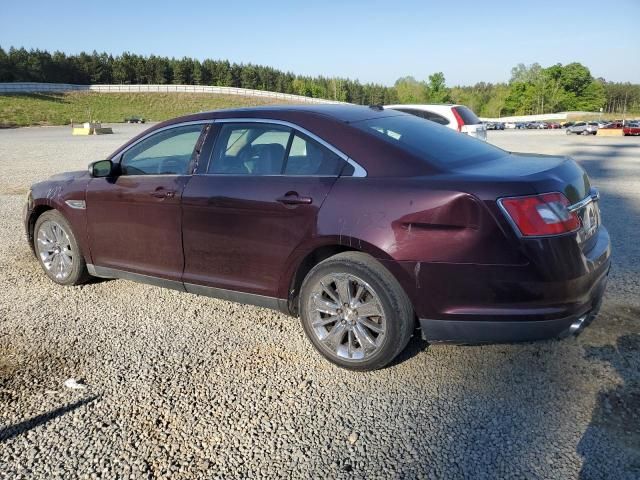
(192, 387)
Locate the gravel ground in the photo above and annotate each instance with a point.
(191, 387)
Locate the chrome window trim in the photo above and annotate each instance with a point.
(358, 170)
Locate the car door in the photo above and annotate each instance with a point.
(134, 219)
(252, 204)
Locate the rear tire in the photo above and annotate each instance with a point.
(57, 250)
(354, 312)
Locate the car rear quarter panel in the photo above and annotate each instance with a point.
(413, 223)
(414, 219)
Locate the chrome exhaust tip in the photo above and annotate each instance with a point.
(578, 325)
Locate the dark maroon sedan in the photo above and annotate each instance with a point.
(364, 222)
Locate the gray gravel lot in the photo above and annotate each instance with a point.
(190, 387)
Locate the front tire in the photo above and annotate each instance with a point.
(58, 251)
(355, 312)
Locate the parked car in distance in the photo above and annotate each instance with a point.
(582, 128)
(366, 223)
(494, 125)
(510, 125)
(631, 128)
(134, 120)
(554, 125)
(456, 117)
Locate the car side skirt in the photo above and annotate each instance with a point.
(273, 303)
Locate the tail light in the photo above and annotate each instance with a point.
(459, 119)
(538, 215)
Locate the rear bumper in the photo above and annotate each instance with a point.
(554, 295)
(506, 331)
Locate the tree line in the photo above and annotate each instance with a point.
(532, 89)
(21, 65)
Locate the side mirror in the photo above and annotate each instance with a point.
(101, 168)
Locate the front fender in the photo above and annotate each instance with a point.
(65, 193)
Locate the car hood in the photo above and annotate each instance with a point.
(61, 184)
(66, 176)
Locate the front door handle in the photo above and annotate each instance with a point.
(292, 198)
(163, 194)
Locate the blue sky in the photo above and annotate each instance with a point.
(375, 40)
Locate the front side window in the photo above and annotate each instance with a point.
(307, 157)
(250, 149)
(167, 152)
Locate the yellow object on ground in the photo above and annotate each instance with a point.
(90, 128)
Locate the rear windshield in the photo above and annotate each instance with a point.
(436, 144)
(468, 117)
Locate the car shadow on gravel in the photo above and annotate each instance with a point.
(614, 432)
(11, 431)
(415, 347)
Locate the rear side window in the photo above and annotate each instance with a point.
(269, 149)
(307, 157)
(468, 117)
(436, 144)
(250, 149)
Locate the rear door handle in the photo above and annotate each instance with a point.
(163, 194)
(292, 198)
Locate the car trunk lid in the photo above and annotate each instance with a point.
(527, 174)
(545, 173)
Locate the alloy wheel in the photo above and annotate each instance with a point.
(347, 316)
(54, 250)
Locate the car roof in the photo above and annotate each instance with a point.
(342, 112)
(330, 122)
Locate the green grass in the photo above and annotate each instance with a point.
(19, 110)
